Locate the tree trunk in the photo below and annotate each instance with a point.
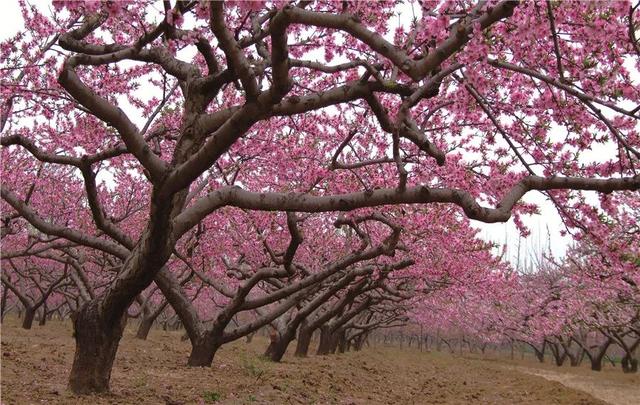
(144, 328)
(580, 356)
(559, 354)
(3, 303)
(43, 318)
(29, 314)
(278, 347)
(96, 347)
(304, 341)
(596, 363)
(202, 352)
(539, 356)
(596, 359)
(341, 341)
(629, 364)
(359, 342)
(574, 360)
(326, 341)
(334, 340)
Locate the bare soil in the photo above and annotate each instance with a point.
(609, 385)
(35, 365)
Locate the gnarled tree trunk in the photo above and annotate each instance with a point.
(97, 342)
(203, 349)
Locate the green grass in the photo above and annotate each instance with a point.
(211, 396)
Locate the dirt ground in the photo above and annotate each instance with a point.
(609, 385)
(35, 365)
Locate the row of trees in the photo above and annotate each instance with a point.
(581, 306)
(310, 166)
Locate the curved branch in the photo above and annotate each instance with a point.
(52, 229)
(240, 198)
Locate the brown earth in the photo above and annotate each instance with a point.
(609, 385)
(35, 365)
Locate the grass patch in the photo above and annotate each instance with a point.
(211, 396)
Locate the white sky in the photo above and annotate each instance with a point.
(545, 227)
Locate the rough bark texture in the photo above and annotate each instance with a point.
(96, 347)
(203, 350)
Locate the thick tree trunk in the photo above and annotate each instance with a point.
(202, 351)
(596, 363)
(278, 347)
(304, 341)
(326, 341)
(29, 315)
(144, 328)
(96, 346)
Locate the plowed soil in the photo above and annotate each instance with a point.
(35, 365)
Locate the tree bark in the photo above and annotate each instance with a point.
(43, 318)
(203, 350)
(341, 341)
(3, 303)
(596, 359)
(326, 341)
(559, 354)
(96, 346)
(278, 346)
(144, 328)
(629, 364)
(304, 341)
(596, 363)
(29, 315)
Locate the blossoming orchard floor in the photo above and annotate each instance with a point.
(35, 365)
